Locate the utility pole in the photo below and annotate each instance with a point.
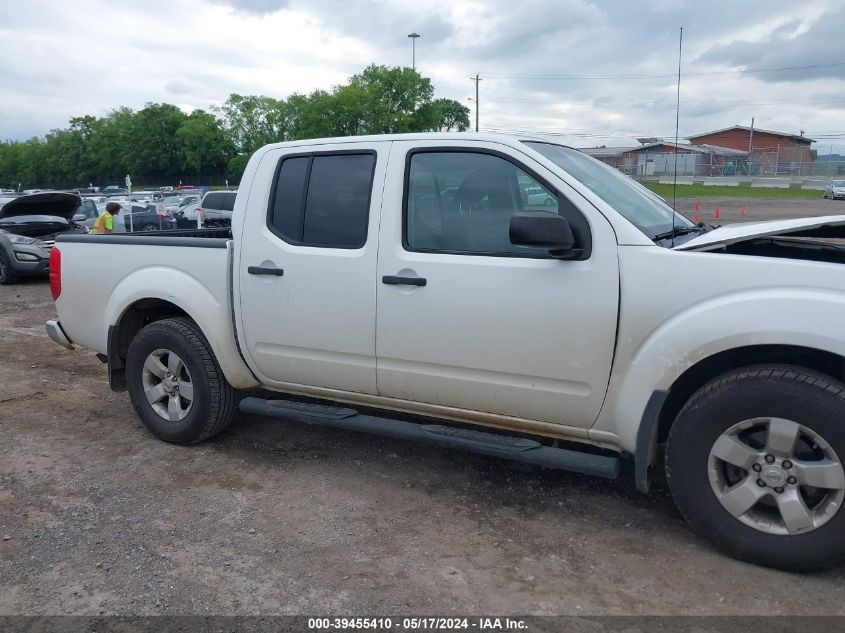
(476, 79)
(413, 37)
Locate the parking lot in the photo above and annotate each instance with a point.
(97, 516)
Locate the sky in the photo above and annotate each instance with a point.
(588, 73)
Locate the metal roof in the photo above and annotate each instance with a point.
(605, 152)
(797, 137)
(696, 149)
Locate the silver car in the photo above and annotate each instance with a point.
(835, 189)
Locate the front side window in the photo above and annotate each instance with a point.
(323, 200)
(462, 202)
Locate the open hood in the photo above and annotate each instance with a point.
(57, 203)
(831, 226)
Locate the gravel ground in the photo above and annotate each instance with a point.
(96, 516)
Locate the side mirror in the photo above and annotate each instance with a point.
(79, 217)
(543, 229)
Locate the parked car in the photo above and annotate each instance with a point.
(87, 212)
(835, 189)
(216, 208)
(114, 190)
(28, 228)
(480, 322)
(176, 203)
(146, 217)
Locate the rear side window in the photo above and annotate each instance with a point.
(323, 200)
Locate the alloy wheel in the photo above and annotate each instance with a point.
(776, 476)
(167, 385)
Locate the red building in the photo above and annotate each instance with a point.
(769, 152)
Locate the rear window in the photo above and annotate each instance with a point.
(323, 200)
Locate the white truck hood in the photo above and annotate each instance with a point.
(748, 230)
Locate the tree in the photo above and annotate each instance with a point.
(160, 142)
(252, 121)
(151, 149)
(452, 116)
(204, 147)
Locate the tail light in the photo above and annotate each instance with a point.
(55, 273)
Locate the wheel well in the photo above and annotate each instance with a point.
(136, 316)
(702, 372)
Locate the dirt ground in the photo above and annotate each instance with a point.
(97, 516)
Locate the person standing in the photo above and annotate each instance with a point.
(105, 223)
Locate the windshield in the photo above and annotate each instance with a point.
(643, 208)
(839, 183)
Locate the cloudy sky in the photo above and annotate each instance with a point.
(593, 72)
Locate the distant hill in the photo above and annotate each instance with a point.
(830, 158)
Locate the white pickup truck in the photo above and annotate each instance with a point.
(499, 295)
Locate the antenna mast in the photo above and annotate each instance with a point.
(677, 120)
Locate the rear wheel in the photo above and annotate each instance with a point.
(175, 383)
(754, 463)
(7, 275)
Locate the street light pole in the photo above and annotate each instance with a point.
(413, 37)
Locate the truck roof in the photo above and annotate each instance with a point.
(507, 139)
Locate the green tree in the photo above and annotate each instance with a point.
(150, 147)
(452, 116)
(204, 146)
(252, 121)
(160, 143)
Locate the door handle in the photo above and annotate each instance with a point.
(261, 270)
(403, 281)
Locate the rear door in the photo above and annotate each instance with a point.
(308, 264)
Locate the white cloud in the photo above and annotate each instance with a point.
(89, 56)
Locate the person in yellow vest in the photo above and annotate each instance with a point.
(105, 223)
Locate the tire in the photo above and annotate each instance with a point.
(212, 404)
(7, 275)
(762, 407)
(150, 227)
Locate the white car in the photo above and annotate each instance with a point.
(835, 189)
(408, 274)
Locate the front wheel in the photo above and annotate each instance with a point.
(7, 275)
(754, 464)
(175, 383)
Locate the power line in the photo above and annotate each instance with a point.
(667, 76)
(667, 104)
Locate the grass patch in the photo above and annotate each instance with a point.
(742, 191)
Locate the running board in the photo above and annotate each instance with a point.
(504, 446)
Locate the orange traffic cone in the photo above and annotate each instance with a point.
(696, 219)
(718, 215)
(695, 207)
(742, 212)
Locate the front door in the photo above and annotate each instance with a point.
(469, 321)
(307, 266)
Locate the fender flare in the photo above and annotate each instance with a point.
(721, 324)
(194, 299)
